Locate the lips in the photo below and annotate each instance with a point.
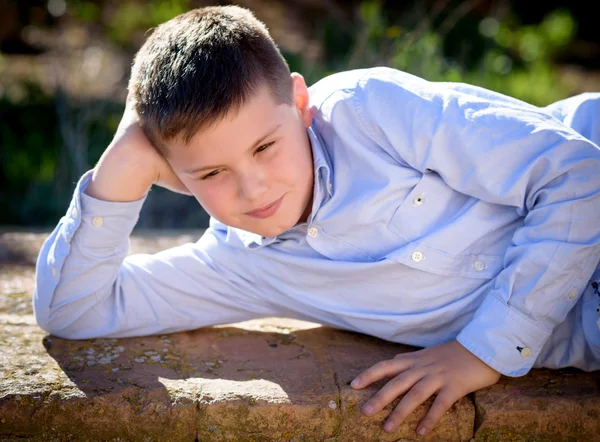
(267, 210)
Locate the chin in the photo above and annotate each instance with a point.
(268, 232)
(277, 228)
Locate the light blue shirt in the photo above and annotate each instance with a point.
(441, 211)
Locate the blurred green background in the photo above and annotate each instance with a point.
(64, 66)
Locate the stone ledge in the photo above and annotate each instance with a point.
(269, 379)
(266, 380)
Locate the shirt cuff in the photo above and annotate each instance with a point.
(96, 223)
(502, 338)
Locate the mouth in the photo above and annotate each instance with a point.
(266, 211)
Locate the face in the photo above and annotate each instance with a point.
(254, 169)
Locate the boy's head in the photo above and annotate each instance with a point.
(216, 98)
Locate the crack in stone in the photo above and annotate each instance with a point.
(479, 414)
(339, 405)
(339, 389)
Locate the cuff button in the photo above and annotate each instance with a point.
(525, 352)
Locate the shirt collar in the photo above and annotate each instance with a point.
(321, 192)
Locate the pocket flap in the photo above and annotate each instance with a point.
(429, 204)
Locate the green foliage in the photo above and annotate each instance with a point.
(129, 17)
(36, 173)
(84, 10)
(29, 157)
(504, 56)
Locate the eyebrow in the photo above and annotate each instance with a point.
(256, 143)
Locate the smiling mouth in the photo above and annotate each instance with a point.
(267, 210)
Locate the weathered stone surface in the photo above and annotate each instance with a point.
(351, 353)
(265, 380)
(270, 379)
(544, 405)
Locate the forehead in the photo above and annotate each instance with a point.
(238, 129)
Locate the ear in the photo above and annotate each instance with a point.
(301, 98)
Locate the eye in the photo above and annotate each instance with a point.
(265, 146)
(212, 174)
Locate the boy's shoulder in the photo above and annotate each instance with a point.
(344, 84)
(368, 88)
(359, 92)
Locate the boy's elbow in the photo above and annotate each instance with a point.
(60, 331)
(40, 313)
(53, 327)
(56, 325)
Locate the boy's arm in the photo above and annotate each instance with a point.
(509, 154)
(87, 287)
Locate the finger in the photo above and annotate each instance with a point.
(404, 355)
(394, 388)
(442, 403)
(419, 393)
(388, 368)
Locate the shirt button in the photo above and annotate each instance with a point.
(74, 212)
(417, 256)
(419, 199)
(572, 294)
(479, 266)
(53, 271)
(97, 221)
(526, 352)
(329, 186)
(313, 232)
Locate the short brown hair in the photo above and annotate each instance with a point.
(200, 65)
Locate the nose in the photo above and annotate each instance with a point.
(253, 186)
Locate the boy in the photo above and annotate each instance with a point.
(438, 215)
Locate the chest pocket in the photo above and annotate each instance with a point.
(428, 221)
(430, 204)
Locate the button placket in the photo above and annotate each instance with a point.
(479, 266)
(417, 256)
(313, 232)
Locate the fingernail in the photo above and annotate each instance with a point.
(368, 409)
(421, 431)
(355, 382)
(388, 427)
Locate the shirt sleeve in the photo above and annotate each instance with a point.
(87, 286)
(512, 154)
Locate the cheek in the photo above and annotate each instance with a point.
(302, 164)
(213, 197)
(296, 164)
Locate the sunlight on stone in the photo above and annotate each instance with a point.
(219, 390)
(274, 324)
(12, 319)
